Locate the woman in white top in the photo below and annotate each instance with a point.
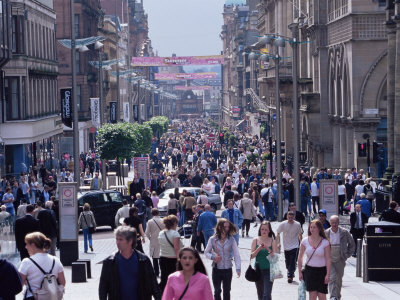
(341, 195)
(358, 190)
(37, 245)
(34, 190)
(206, 185)
(170, 244)
(153, 228)
(318, 264)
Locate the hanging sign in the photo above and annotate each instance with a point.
(95, 109)
(66, 106)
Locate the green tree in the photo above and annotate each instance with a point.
(159, 125)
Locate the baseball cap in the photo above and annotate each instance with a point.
(322, 211)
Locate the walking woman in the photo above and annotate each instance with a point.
(190, 281)
(134, 221)
(262, 246)
(219, 249)
(170, 244)
(87, 222)
(153, 228)
(32, 269)
(318, 264)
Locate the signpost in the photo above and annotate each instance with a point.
(68, 211)
(329, 196)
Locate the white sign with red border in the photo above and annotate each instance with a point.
(329, 196)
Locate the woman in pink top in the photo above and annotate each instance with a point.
(190, 281)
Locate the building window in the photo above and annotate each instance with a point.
(79, 97)
(337, 9)
(17, 34)
(78, 61)
(76, 26)
(12, 98)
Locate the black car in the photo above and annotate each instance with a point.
(103, 203)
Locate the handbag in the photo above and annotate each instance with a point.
(304, 270)
(252, 274)
(91, 228)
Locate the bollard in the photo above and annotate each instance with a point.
(359, 261)
(365, 263)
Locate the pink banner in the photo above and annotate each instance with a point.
(191, 88)
(184, 76)
(177, 61)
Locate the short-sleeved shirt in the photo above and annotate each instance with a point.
(166, 249)
(291, 234)
(34, 275)
(341, 189)
(24, 187)
(318, 258)
(8, 196)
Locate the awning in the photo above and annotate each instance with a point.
(238, 124)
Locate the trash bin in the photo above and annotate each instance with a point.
(383, 240)
(382, 201)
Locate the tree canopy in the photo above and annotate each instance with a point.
(123, 140)
(159, 125)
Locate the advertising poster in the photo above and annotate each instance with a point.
(126, 111)
(68, 211)
(95, 109)
(191, 88)
(66, 107)
(142, 167)
(177, 61)
(329, 196)
(113, 112)
(235, 111)
(184, 76)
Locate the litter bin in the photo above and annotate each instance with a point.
(382, 201)
(383, 240)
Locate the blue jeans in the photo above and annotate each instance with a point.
(182, 217)
(87, 235)
(303, 204)
(261, 207)
(264, 286)
(207, 235)
(269, 214)
(11, 219)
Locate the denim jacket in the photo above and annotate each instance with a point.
(237, 217)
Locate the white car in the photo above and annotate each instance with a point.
(213, 199)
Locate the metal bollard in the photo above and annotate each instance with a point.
(365, 263)
(359, 261)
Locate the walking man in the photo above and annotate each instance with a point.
(235, 217)
(342, 247)
(127, 274)
(23, 226)
(357, 222)
(207, 222)
(292, 235)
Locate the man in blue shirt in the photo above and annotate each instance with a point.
(365, 205)
(207, 222)
(127, 274)
(234, 216)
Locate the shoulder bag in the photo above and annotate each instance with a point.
(186, 288)
(169, 242)
(304, 270)
(91, 228)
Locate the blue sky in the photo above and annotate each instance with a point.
(185, 27)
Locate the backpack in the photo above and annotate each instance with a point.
(49, 287)
(265, 197)
(370, 194)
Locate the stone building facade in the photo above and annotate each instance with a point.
(30, 125)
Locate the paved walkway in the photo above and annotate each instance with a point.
(353, 287)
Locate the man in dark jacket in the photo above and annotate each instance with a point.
(48, 225)
(298, 215)
(23, 226)
(10, 281)
(128, 273)
(135, 188)
(357, 221)
(391, 214)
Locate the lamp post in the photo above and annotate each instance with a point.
(294, 27)
(74, 99)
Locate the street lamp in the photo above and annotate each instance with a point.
(279, 41)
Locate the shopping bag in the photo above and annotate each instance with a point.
(302, 290)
